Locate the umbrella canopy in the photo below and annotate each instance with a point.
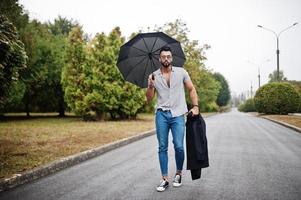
(139, 57)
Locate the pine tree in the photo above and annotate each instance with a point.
(73, 77)
(223, 97)
(12, 62)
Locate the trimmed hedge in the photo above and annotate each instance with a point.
(277, 98)
(247, 106)
(297, 86)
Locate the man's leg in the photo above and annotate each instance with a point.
(162, 129)
(178, 130)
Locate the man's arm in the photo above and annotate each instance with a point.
(150, 92)
(193, 96)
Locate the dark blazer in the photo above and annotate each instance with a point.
(196, 145)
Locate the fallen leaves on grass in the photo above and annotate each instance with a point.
(26, 144)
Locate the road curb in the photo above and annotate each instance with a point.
(19, 179)
(283, 124)
(63, 163)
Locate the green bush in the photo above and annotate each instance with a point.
(226, 108)
(247, 106)
(297, 86)
(211, 107)
(277, 98)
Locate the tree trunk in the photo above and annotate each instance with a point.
(100, 116)
(27, 104)
(61, 104)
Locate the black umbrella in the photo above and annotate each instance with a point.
(139, 57)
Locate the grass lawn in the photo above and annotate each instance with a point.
(290, 119)
(29, 143)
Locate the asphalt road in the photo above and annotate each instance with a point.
(250, 158)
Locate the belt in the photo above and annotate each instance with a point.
(160, 109)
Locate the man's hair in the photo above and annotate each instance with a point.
(165, 48)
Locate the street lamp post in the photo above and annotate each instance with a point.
(261, 64)
(251, 89)
(258, 76)
(277, 37)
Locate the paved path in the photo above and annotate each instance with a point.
(250, 158)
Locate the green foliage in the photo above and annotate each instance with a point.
(297, 86)
(120, 99)
(42, 77)
(62, 26)
(73, 73)
(207, 88)
(247, 106)
(224, 92)
(226, 108)
(277, 98)
(14, 97)
(14, 12)
(57, 42)
(211, 107)
(45, 45)
(273, 76)
(12, 62)
(92, 82)
(85, 68)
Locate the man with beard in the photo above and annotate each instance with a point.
(168, 83)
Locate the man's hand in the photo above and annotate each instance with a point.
(151, 81)
(195, 110)
(150, 92)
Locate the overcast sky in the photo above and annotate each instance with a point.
(228, 26)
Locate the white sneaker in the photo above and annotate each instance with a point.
(163, 185)
(177, 181)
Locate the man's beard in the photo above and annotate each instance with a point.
(165, 64)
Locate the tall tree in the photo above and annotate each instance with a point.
(19, 18)
(73, 77)
(36, 38)
(60, 30)
(273, 76)
(47, 96)
(92, 82)
(130, 98)
(12, 62)
(224, 92)
(14, 12)
(62, 26)
(207, 88)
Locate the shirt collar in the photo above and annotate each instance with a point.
(172, 70)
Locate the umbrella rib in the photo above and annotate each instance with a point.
(154, 44)
(144, 72)
(145, 44)
(132, 57)
(135, 66)
(178, 56)
(153, 65)
(139, 49)
(159, 48)
(119, 61)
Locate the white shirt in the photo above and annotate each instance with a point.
(172, 98)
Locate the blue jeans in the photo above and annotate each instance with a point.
(164, 123)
